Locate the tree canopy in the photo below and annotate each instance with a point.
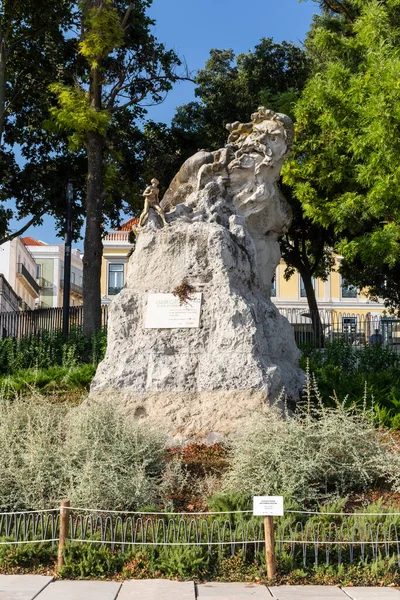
(33, 51)
(98, 63)
(345, 169)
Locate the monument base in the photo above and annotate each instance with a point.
(232, 354)
(190, 415)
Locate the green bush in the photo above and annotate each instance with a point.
(318, 453)
(349, 371)
(51, 350)
(184, 562)
(30, 557)
(90, 560)
(54, 380)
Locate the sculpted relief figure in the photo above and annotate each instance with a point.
(245, 175)
(150, 195)
(260, 147)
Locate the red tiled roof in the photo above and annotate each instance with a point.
(127, 226)
(30, 241)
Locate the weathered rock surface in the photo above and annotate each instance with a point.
(207, 379)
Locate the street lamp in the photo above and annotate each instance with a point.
(67, 259)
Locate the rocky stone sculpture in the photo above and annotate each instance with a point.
(225, 215)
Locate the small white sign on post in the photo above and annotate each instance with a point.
(268, 506)
(165, 311)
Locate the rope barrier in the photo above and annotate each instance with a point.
(28, 542)
(30, 512)
(343, 514)
(203, 514)
(155, 513)
(233, 512)
(193, 513)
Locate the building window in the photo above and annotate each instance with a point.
(348, 291)
(303, 293)
(38, 271)
(72, 277)
(115, 279)
(273, 286)
(349, 325)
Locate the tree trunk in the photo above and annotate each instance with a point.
(2, 87)
(318, 330)
(93, 247)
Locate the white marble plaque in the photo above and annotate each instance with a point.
(164, 311)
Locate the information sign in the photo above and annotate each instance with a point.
(268, 506)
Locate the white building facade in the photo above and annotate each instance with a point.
(18, 267)
(49, 259)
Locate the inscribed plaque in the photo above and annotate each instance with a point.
(165, 311)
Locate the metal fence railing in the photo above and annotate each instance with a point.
(350, 328)
(18, 324)
(353, 329)
(311, 540)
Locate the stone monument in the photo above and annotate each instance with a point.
(194, 341)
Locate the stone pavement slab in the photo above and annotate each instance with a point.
(80, 590)
(22, 587)
(157, 589)
(228, 591)
(307, 592)
(372, 593)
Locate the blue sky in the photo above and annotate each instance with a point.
(192, 28)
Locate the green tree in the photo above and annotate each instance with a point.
(33, 50)
(345, 170)
(120, 65)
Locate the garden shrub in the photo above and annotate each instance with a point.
(318, 453)
(31, 453)
(192, 473)
(57, 380)
(185, 562)
(30, 557)
(349, 370)
(90, 560)
(111, 461)
(51, 349)
(92, 454)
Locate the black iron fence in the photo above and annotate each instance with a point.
(350, 328)
(353, 329)
(35, 322)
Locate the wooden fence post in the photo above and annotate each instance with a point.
(64, 530)
(270, 559)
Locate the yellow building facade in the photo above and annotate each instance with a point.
(343, 308)
(116, 252)
(333, 296)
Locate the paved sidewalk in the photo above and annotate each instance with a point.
(30, 587)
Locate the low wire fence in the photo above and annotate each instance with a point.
(310, 539)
